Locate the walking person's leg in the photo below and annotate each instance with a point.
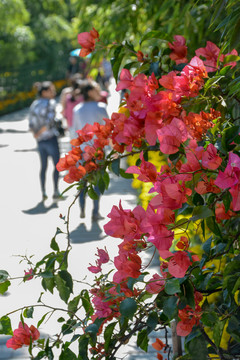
(95, 215)
(43, 160)
(53, 151)
(82, 201)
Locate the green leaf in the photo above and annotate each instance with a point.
(3, 275)
(5, 326)
(213, 226)
(233, 328)
(209, 318)
(48, 284)
(67, 354)
(92, 193)
(232, 267)
(225, 70)
(201, 212)
(28, 312)
(54, 244)
(142, 340)
(86, 302)
(152, 321)
(125, 175)
(101, 185)
(228, 137)
(217, 331)
(227, 199)
(207, 245)
(106, 179)
(67, 277)
(4, 287)
(188, 290)
(92, 331)
(172, 286)
(198, 348)
(42, 319)
(92, 328)
(115, 166)
(63, 289)
(46, 274)
(170, 307)
(117, 60)
(73, 305)
(235, 38)
(156, 34)
(108, 335)
(83, 347)
(230, 58)
(198, 199)
(128, 307)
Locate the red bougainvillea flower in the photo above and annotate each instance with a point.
(158, 344)
(140, 56)
(155, 284)
(221, 213)
(23, 336)
(87, 41)
(189, 317)
(179, 53)
(28, 275)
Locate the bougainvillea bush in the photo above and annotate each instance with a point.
(186, 111)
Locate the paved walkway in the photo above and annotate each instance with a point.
(28, 224)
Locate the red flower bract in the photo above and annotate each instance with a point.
(23, 336)
(87, 41)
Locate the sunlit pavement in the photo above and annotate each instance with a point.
(28, 225)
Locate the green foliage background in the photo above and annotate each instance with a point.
(34, 30)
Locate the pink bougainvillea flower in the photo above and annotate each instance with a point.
(147, 171)
(179, 53)
(126, 80)
(28, 275)
(155, 284)
(172, 136)
(103, 256)
(94, 269)
(235, 192)
(231, 175)
(23, 336)
(210, 159)
(232, 63)
(211, 54)
(87, 41)
(179, 264)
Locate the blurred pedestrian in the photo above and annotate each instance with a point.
(41, 122)
(89, 111)
(68, 89)
(71, 100)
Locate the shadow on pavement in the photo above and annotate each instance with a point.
(81, 234)
(40, 208)
(26, 150)
(13, 131)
